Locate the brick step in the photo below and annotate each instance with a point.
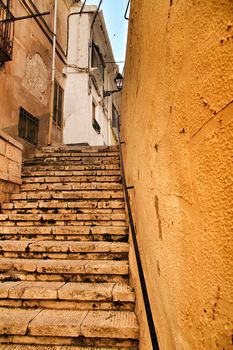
(56, 204)
(73, 195)
(86, 328)
(72, 186)
(72, 179)
(68, 233)
(65, 296)
(33, 249)
(73, 167)
(63, 270)
(86, 173)
(78, 153)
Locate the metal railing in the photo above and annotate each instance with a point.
(145, 295)
(6, 33)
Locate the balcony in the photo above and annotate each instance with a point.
(6, 33)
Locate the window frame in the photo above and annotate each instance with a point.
(58, 104)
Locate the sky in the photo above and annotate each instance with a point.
(117, 26)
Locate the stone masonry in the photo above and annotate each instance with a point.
(64, 273)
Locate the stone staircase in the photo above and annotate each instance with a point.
(64, 274)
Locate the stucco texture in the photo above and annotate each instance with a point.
(177, 122)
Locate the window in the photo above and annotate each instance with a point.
(115, 116)
(97, 59)
(28, 126)
(57, 105)
(95, 124)
(6, 32)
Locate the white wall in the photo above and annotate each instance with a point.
(81, 88)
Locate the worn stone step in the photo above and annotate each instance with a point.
(80, 173)
(65, 195)
(77, 153)
(52, 347)
(73, 167)
(64, 250)
(72, 160)
(13, 269)
(62, 295)
(63, 217)
(72, 179)
(70, 233)
(114, 325)
(40, 211)
(71, 186)
(79, 148)
(56, 204)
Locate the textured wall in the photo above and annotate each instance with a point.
(177, 121)
(25, 81)
(10, 166)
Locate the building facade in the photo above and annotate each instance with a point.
(25, 80)
(52, 57)
(37, 74)
(89, 73)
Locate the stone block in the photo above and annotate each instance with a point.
(108, 267)
(2, 147)
(15, 321)
(58, 323)
(86, 291)
(110, 324)
(3, 168)
(14, 169)
(13, 153)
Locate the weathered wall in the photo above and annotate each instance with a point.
(25, 81)
(177, 122)
(84, 84)
(10, 166)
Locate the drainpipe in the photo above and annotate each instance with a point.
(53, 72)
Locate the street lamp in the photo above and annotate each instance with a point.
(118, 80)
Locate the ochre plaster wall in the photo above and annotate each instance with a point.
(177, 122)
(25, 81)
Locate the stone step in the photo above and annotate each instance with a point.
(72, 160)
(74, 167)
(72, 179)
(56, 204)
(56, 219)
(67, 296)
(66, 195)
(42, 154)
(67, 233)
(52, 347)
(79, 148)
(92, 250)
(79, 173)
(72, 186)
(61, 211)
(12, 269)
(106, 328)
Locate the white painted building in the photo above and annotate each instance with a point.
(90, 71)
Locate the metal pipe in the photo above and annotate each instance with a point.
(24, 17)
(53, 72)
(92, 24)
(125, 16)
(84, 3)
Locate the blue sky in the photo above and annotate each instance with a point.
(114, 11)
